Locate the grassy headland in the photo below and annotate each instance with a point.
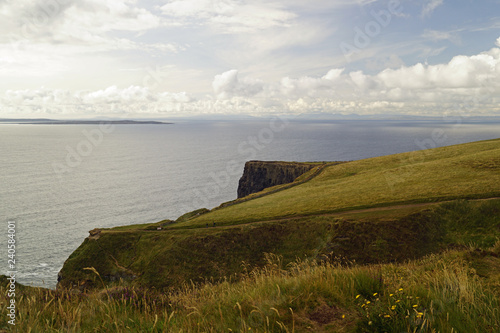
(399, 243)
(462, 171)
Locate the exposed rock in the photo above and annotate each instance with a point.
(259, 175)
(95, 233)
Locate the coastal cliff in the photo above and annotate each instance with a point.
(259, 175)
(366, 211)
(292, 257)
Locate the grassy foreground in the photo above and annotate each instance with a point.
(456, 291)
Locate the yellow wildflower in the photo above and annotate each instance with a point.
(357, 296)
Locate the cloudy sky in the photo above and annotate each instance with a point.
(166, 58)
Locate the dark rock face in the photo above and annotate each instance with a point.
(259, 175)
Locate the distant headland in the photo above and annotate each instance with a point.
(80, 122)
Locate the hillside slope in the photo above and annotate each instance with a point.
(303, 221)
(454, 291)
(462, 171)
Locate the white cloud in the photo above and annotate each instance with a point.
(229, 16)
(465, 84)
(297, 34)
(310, 87)
(112, 101)
(228, 85)
(470, 83)
(428, 52)
(460, 72)
(69, 22)
(407, 89)
(438, 36)
(67, 40)
(286, 52)
(430, 6)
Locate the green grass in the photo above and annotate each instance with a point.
(168, 258)
(189, 250)
(463, 171)
(438, 293)
(427, 262)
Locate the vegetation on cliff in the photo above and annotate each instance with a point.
(455, 291)
(461, 171)
(415, 235)
(169, 258)
(320, 216)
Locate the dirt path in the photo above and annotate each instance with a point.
(285, 218)
(333, 214)
(359, 211)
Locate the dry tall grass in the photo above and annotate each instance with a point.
(440, 293)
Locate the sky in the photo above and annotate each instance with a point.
(169, 58)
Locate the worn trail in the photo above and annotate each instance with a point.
(289, 218)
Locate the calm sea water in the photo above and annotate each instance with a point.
(60, 181)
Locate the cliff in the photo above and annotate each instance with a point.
(293, 257)
(259, 175)
(367, 211)
(167, 258)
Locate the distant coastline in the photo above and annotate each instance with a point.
(80, 122)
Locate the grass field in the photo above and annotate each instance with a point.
(462, 171)
(400, 243)
(455, 291)
(168, 258)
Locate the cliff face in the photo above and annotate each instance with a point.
(167, 258)
(151, 257)
(259, 175)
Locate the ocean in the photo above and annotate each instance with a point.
(60, 181)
